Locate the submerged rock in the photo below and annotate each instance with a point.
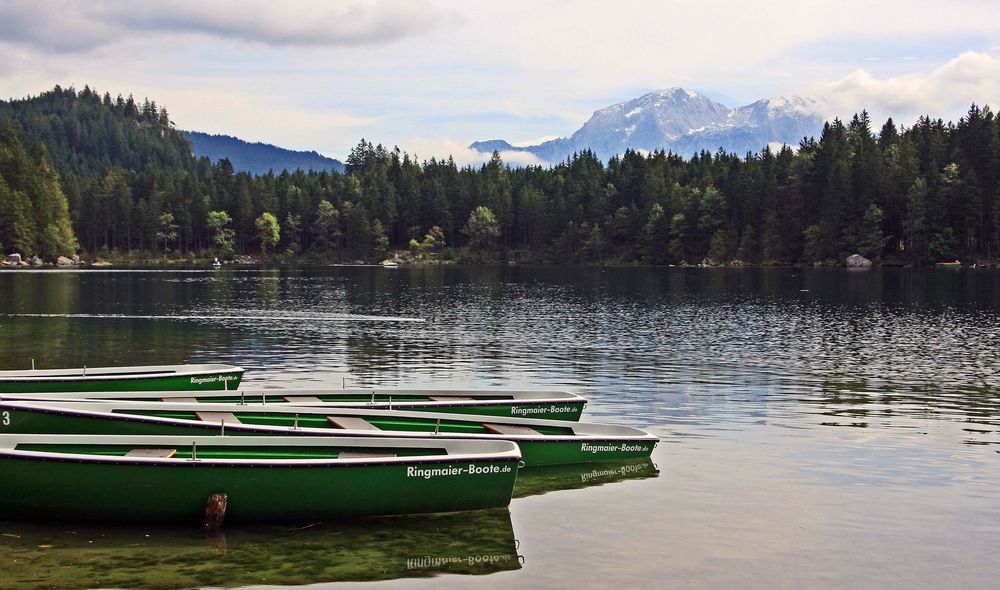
(858, 261)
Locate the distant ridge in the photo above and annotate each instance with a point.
(257, 158)
(683, 122)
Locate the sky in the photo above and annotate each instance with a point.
(431, 76)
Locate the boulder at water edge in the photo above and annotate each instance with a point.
(14, 259)
(36, 261)
(858, 261)
(63, 261)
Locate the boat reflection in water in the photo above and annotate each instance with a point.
(79, 555)
(541, 480)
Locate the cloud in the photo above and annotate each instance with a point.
(946, 91)
(443, 147)
(259, 118)
(60, 26)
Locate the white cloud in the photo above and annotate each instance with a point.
(260, 118)
(443, 147)
(62, 26)
(945, 92)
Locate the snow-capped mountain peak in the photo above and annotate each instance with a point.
(685, 122)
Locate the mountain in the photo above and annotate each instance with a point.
(257, 158)
(85, 133)
(683, 122)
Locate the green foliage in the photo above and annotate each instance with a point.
(748, 249)
(813, 247)
(917, 229)
(34, 212)
(268, 231)
(943, 246)
(223, 236)
(357, 228)
(870, 237)
(167, 233)
(326, 227)
(379, 238)
(717, 250)
(293, 230)
(678, 246)
(84, 132)
(432, 242)
(481, 228)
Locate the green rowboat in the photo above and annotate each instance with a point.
(542, 442)
(150, 378)
(554, 405)
(167, 478)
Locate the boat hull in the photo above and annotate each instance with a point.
(192, 381)
(118, 492)
(569, 411)
(264, 479)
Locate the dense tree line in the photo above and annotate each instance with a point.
(34, 215)
(917, 194)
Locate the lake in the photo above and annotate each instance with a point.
(820, 427)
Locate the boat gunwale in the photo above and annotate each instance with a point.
(270, 464)
(559, 397)
(637, 435)
(505, 451)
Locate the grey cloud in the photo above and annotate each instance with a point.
(57, 26)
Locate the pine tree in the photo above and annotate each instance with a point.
(325, 228)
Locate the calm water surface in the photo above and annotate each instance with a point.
(820, 428)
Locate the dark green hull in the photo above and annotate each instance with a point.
(168, 478)
(551, 411)
(570, 452)
(536, 451)
(51, 489)
(201, 382)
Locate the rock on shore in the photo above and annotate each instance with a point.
(858, 261)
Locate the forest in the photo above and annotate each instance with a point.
(85, 172)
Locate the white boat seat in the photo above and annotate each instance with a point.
(303, 399)
(351, 423)
(180, 400)
(229, 417)
(364, 455)
(157, 453)
(509, 429)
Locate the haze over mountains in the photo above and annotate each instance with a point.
(683, 122)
